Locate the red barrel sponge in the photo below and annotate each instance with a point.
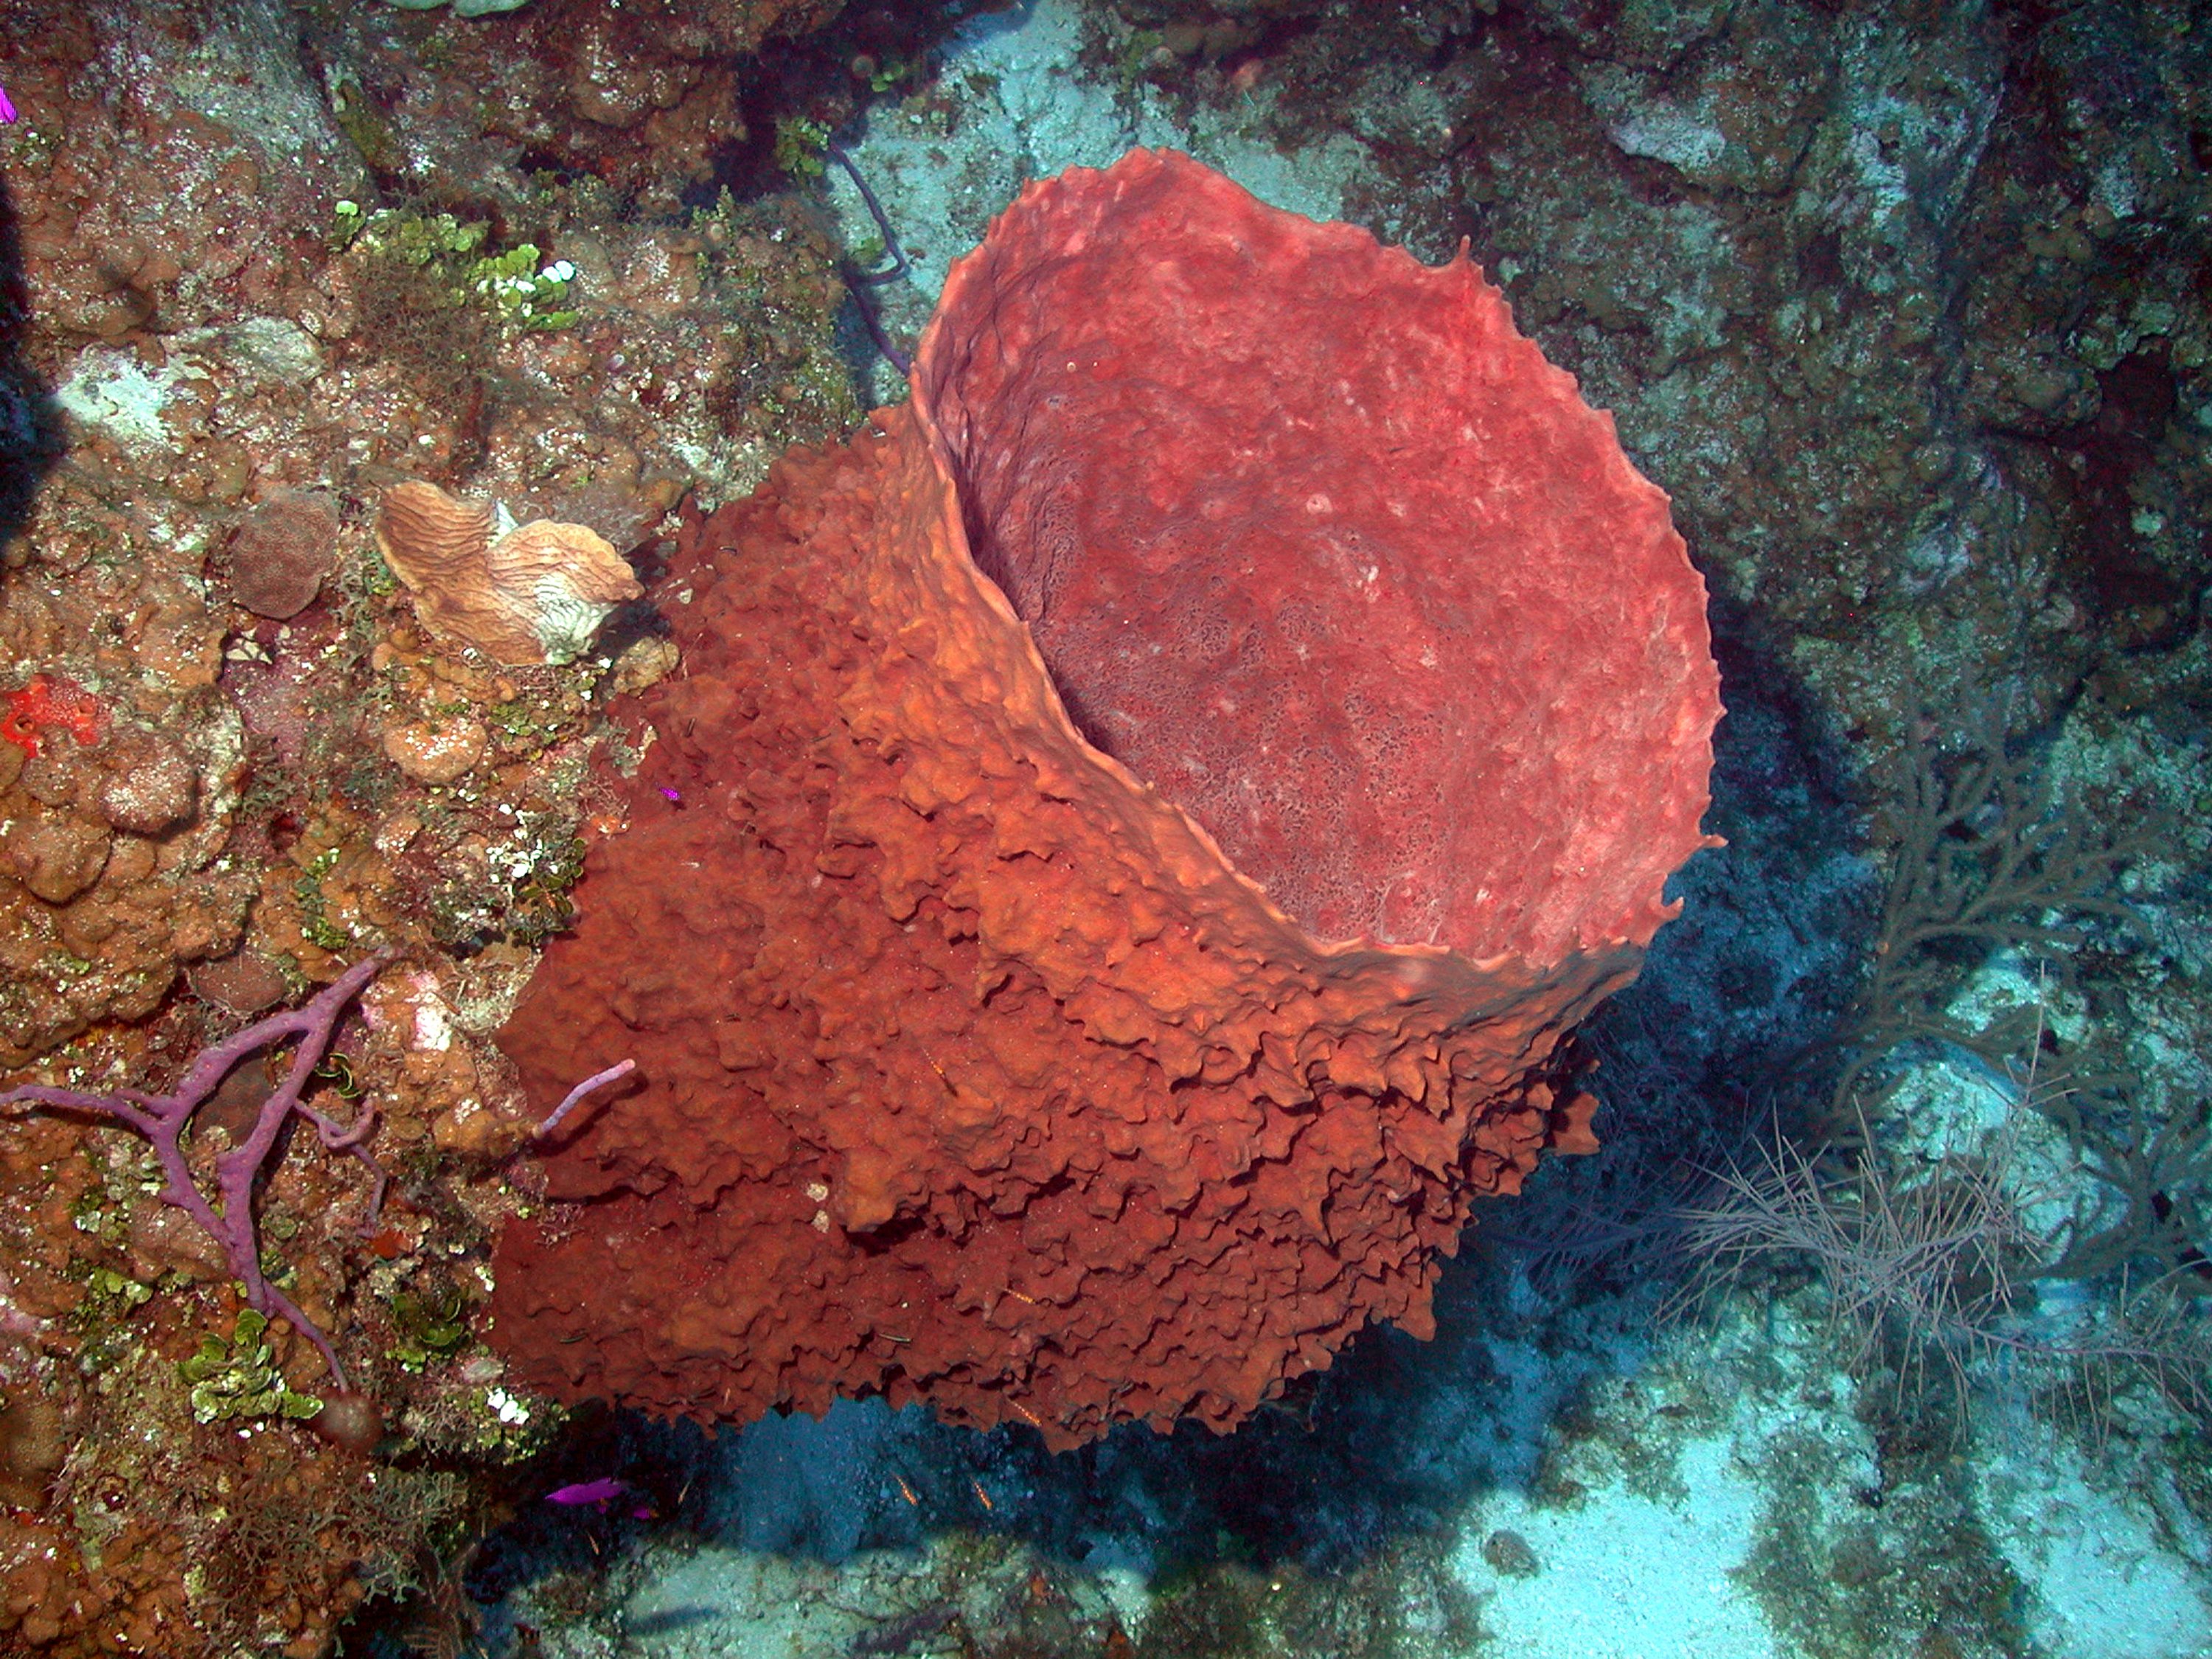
(1134, 829)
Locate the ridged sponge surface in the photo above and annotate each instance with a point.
(976, 1069)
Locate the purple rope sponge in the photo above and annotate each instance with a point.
(575, 1096)
(162, 1119)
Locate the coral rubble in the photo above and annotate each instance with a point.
(231, 763)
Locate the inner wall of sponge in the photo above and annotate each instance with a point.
(1315, 542)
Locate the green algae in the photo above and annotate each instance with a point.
(239, 1376)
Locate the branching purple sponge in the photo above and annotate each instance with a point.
(162, 1120)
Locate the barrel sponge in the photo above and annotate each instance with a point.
(1109, 1032)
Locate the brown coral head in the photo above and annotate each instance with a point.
(350, 1422)
(282, 550)
(34, 1441)
(538, 594)
(1018, 1031)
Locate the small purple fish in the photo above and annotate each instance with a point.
(675, 795)
(7, 109)
(601, 1492)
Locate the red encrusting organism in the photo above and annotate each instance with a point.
(49, 700)
(1097, 999)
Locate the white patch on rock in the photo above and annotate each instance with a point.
(1665, 132)
(111, 390)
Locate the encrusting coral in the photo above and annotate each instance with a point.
(536, 593)
(970, 1068)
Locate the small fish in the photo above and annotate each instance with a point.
(7, 109)
(600, 1493)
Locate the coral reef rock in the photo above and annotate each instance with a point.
(537, 593)
(976, 1065)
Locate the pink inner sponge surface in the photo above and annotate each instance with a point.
(1319, 545)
